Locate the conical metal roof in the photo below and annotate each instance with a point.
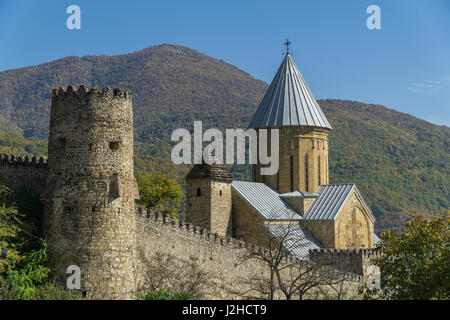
(288, 101)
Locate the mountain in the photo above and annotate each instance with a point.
(399, 162)
(13, 144)
(169, 83)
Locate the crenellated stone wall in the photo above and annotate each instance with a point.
(23, 172)
(225, 258)
(357, 261)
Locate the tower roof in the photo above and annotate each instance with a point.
(331, 199)
(288, 101)
(213, 171)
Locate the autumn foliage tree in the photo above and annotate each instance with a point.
(159, 192)
(416, 263)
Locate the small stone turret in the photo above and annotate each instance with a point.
(208, 192)
(89, 215)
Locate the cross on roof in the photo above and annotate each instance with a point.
(287, 44)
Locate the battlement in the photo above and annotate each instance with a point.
(356, 261)
(17, 172)
(226, 257)
(73, 105)
(24, 161)
(182, 226)
(339, 253)
(84, 92)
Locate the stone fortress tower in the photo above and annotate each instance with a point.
(289, 106)
(90, 193)
(208, 193)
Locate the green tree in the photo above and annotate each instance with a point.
(10, 222)
(163, 294)
(23, 270)
(159, 192)
(31, 273)
(416, 263)
(53, 291)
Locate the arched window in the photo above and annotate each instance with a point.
(306, 173)
(278, 180)
(318, 165)
(292, 173)
(199, 192)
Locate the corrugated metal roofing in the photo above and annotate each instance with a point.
(376, 240)
(265, 200)
(296, 239)
(288, 101)
(299, 193)
(331, 199)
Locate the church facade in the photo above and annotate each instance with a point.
(298, 200)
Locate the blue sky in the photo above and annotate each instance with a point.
(405, 65)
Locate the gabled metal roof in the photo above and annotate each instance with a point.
(265, 200)
(288, 101)
(299, 194)
(330, 201)
(296, 239)
(376, 240)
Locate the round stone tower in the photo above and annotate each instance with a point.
(89, 217)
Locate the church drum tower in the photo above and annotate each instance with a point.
(289, 106)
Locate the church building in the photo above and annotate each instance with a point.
(297, 206)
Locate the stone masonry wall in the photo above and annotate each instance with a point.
(221, 256)
(198, 202)
(89, 207)
(247, 223)
(208, 205)
(323, 230)
(221, 222)
(354, 227)
(303, 144)
(20, 172)
(357, 261)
